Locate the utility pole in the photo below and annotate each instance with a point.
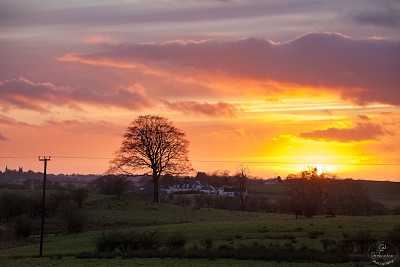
(44, 159)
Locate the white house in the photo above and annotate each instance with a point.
(231, 192)
(208, 189)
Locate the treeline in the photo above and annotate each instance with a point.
(21, 213)
(13, 179)
(306, 194)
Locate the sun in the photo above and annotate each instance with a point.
(321, 168)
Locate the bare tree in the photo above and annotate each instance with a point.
(153, 143)
(242, 173)
(308, 191)
(79, 195)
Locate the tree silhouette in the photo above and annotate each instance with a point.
(242, 173)
(308, 191)
(113, 184)
(153, 143)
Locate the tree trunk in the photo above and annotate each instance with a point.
(242, 201)
(156, 198)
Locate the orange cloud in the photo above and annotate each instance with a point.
(354, 69)
(98, 39)
(202, 108)
(24, 94)
(361, 132)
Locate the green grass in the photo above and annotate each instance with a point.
(168, 262)
(140, 211)
(383, 191)
(223, 227)
(223, 232)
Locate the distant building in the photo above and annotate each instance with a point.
(208, 189)
(195, 186)
(231, 192)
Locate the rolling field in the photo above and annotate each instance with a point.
(383, 191)
(168, 262)
(223, 227)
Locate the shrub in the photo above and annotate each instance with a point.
(110, 241)
(71, 217)
(127, 240)
(327, 244)
(79, 195)
(176, 241)
(149, 239)
(12, 205)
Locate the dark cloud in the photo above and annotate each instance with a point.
(132, 13)
(363, 117)
(24, 94)
(202, 108)
(387, 14)
(361, 132)
(363, 71)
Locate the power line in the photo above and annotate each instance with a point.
(296, 163)
(223, 161)
(17, 157)
(81, 157)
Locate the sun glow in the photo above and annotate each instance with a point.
(321, 168)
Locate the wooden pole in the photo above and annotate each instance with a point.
(44, 159)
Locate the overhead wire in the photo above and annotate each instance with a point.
(221, 161)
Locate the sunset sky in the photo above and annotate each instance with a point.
(273, 84)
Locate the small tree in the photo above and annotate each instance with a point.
(79, 195)
(308, 191)
(242, 173)
(113, 184)
(71, 217)
(152, 143)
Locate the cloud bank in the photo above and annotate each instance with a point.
(202, 108)
(363, 71)
(361, 132)
(25, 94)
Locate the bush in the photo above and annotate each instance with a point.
(12, 206)
(176, 242)
(127, 240)
(71, 217)
(79, 195)
(149, 239)
(111, 241)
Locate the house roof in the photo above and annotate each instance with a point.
(207, 187)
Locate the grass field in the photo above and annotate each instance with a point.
(383, 191)
(168, 262)
(223, 227)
